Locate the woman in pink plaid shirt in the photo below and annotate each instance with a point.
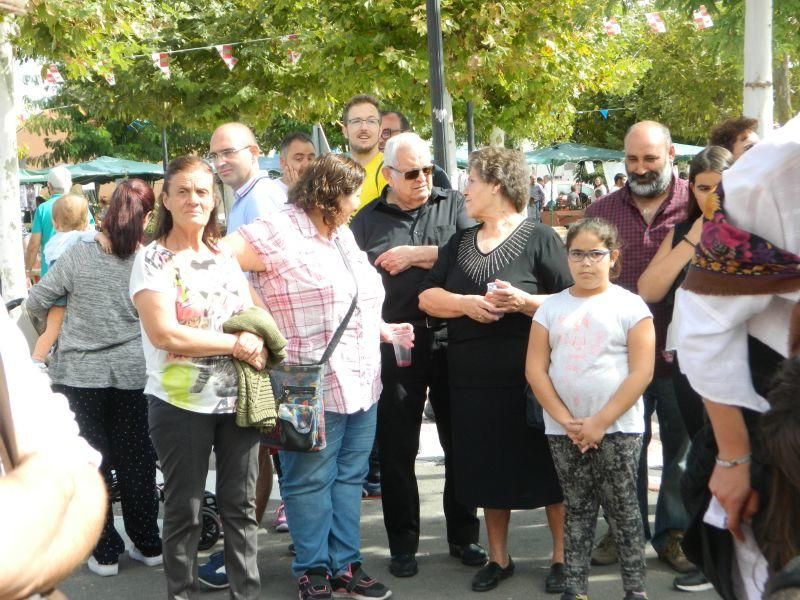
(302, 278)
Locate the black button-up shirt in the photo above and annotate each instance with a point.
(381, 226)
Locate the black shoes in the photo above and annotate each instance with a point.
(403, 565)
(471, 555)
(491, 575)
(556, 582)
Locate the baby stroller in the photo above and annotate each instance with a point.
(209, 512)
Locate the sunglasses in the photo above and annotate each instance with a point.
(412, 174)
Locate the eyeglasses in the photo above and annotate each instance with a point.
(412, 174)
(578, 256)
(358, 122)
(226, 154)
(387, 133)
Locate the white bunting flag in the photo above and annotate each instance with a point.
(226, 54)
(161, 61)
(612, 27)
(702, 20)
(110, 78)
(53, 77)
(655, 22)
(294, 57)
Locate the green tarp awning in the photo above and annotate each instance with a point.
(101, 170)
(561, 153)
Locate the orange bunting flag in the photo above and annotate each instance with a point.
(226, 54)
(702, 20)
(655, 22)
(53, 77)
(612, 27)
(161, 60)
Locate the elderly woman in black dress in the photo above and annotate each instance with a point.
(487, 283)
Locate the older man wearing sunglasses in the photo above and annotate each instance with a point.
(394, 123)
(401, 231)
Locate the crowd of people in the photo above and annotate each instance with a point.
(544, 360)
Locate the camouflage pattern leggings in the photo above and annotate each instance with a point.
(604, 476)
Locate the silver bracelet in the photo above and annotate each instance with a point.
(735, 462)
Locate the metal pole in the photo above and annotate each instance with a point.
(436, 76)
(470, 128)
(164, 153)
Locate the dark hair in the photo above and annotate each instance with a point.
(186, 164)
(619, 176)
(295, 136)
(712, 158)
(726, 133)
(404, 124)
(504, 167)
(604, 231)
(780, 437)
(124, 221)
(326, 179)
(359, 99)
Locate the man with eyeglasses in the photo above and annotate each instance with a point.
(394, 123)
(401, 231)
(233, 152)
(361, 122)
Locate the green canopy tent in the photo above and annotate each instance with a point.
(100, 170)
(562, 153)
(685, 151)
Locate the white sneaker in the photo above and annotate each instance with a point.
(150, 561)
(102, 570)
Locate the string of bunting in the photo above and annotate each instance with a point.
(603, 111)
(161, 60)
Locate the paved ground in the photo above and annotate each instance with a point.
(440, 576)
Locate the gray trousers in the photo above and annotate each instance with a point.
(183, 441)
(604, 476)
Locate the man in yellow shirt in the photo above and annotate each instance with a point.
(361, 121)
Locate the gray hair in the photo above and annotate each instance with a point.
(60, 179)
(408, 140)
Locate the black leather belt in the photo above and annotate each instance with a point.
(430, 323)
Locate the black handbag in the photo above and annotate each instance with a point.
(300, 426)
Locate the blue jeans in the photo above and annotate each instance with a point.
(322, 493)
(670, 512)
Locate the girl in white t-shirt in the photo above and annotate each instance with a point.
(590, 357)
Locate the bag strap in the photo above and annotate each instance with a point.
(338, 333)
(8, 442)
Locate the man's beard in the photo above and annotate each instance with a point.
(651, 184)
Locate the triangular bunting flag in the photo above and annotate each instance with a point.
(702, 20)
(53, 77)
(612, 27)
(291, 36)
(604, 112)
(110, 78)
(161, 60)
(226, 54)
(294, 57)
(655, 22)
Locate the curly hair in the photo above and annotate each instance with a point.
(186, 164)
(327, 178)
(726, 133)
(506, 168)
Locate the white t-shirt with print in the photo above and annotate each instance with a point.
(589, 352)
(206, 290)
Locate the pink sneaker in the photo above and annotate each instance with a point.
(280, 523)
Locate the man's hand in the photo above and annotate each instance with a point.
(397, 259)
(478, 309)
(731, 487)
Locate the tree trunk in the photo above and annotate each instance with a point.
(783, 90)
(758, 102)
(12, 260)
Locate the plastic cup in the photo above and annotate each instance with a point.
(490, 287)
(402, 348)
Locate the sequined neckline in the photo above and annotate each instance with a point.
(480, 267)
